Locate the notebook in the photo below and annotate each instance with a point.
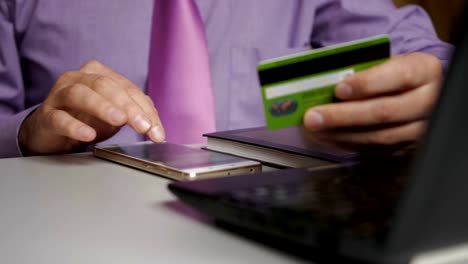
(380, 211)
(288, 147)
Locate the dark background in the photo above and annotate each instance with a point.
(444, 13)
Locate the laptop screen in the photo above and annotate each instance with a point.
(435, 210)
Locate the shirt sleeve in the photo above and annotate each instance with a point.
(410, 27)
(12, 97)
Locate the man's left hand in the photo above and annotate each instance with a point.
(386, 105)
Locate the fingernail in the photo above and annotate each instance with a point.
(156, 134)
(86, 133)
(313, 119)
(142, 123)
(116, 116)
(343, 90)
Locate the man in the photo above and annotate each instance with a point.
(65, 57)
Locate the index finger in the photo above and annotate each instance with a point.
(400, 73)
(156, 132)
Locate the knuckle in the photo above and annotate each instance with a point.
(92, 65)
(381, 138)
(407, 73)
(69, 128)
(43, 113)
(428, 101)
(385, 112)
(67, 75)
(148, 104)
(420, 129)
(65, 78)
(60, 124)
(361, 81)
(102, 83)
(434, 66)
(102, 109)
(74, 92)
(131, 109)
(54, 119)
(130, 88)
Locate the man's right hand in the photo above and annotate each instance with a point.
(88, 105)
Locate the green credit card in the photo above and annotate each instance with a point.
(292, 84)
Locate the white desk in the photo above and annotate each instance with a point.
(79, 209)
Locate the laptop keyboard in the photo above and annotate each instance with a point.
(362, 206)
(321, 207)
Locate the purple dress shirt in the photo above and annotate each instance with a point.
(41, 39)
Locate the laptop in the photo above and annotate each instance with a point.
(379, 211)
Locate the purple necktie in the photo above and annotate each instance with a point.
(179, 74)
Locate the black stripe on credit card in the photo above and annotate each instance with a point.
(323, 64)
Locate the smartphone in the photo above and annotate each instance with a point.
(177, 162)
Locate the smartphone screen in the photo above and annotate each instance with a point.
(176, 156)
(176, 161)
